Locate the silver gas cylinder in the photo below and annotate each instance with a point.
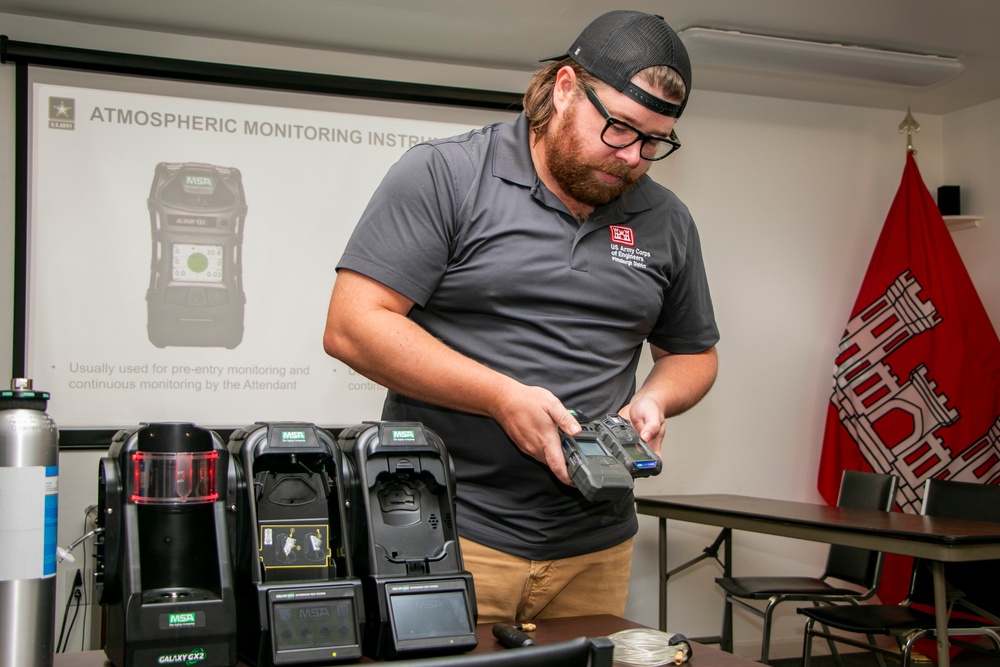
(29, 503)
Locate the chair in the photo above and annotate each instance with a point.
(972, 587)
(859, 567)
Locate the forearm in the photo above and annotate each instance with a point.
(403, 357)
(389, 348)
(678, 381)
(675, 383)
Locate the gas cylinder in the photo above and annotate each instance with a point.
(29, 503)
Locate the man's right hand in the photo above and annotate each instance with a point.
(532, 417)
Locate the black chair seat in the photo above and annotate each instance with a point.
(762, 588)
(881, 619)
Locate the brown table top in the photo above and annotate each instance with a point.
(909, 534)
(547, 631)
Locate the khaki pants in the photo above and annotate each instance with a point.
(511, 588)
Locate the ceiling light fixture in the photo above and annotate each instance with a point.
(779, 55)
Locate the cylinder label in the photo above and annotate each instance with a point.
(51, 520)
(23, 523)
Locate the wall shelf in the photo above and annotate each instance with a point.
(957, 222)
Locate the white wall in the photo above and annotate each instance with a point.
(789, 197)
(972, 160)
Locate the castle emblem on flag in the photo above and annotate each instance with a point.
(867, 391)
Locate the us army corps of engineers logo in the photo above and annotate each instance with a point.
(62, 113)
(624, 250)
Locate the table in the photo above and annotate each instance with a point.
(549, 630)
(937, 540)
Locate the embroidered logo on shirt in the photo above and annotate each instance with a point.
(622, 235)
(623, 250)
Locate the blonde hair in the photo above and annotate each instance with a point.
(537, 99)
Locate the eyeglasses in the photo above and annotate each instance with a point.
(619, 134)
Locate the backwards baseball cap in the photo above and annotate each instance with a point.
(620, 43)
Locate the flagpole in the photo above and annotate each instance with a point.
(909, 125)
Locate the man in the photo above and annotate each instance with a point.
(500, 277)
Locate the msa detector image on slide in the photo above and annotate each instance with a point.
(195, 296)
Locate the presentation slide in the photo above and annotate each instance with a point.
(182, 244)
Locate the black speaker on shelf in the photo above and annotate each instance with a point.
(949, 200)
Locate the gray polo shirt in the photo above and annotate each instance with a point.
(500, 271)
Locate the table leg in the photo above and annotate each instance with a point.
(724, 540)
(726, 641)
(941, 614)
(663, 574)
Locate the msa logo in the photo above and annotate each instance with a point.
(622, 235)
(293, 436)
(428, 605)
(404, 435)
(314, 612)
(199, 181)
(174, 620)
(192, 657)
(198, 184)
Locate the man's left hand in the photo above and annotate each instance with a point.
(647, 420)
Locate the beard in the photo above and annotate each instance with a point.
(575, 175)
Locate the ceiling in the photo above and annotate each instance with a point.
(515, 34)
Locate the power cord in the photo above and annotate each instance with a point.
(83, 626)
(76, 595)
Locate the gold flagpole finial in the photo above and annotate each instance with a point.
(909, 125)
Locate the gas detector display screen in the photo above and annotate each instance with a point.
(193, 263)
(635, 451)
(590, 447)
(424, 615)
(311, 624)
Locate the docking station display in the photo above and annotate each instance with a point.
(419, 598)
(298, 601)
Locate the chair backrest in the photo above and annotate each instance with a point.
(579, 652)
(861, 490)
(974, 582)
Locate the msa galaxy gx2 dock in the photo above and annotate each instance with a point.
(419, 598)
(298, 602)
(163, 568)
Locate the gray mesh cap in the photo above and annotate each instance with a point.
(620, 43)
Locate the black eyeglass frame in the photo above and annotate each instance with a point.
(646, 139)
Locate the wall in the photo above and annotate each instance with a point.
(789, 197)
(972, 160)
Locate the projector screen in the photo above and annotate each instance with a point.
(181, 240)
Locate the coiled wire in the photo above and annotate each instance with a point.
(644, 647)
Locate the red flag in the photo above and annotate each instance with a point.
(916, 388)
